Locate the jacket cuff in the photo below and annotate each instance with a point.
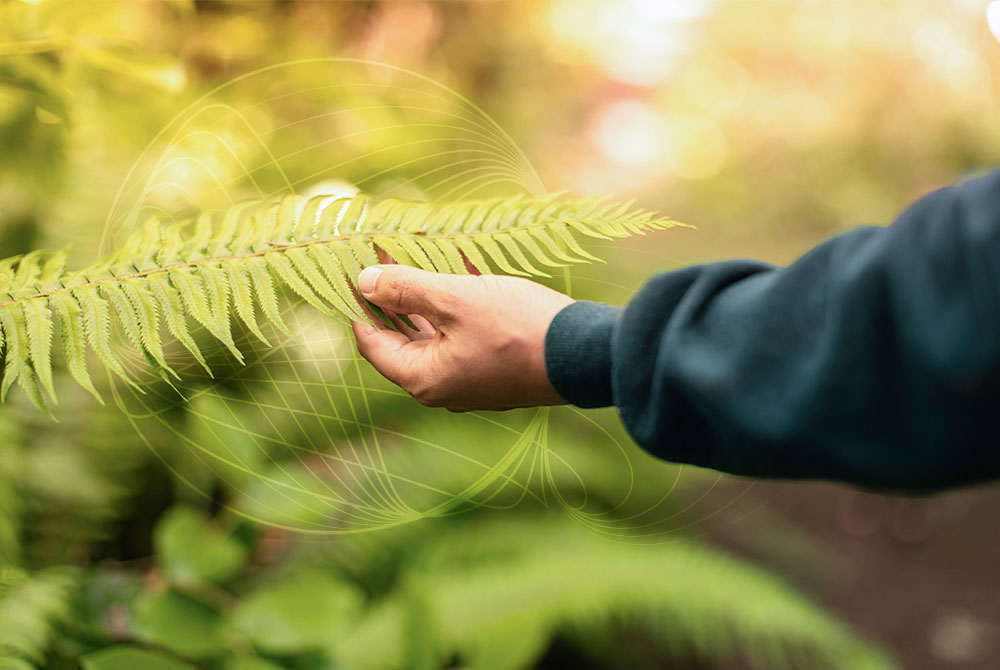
(578, 353)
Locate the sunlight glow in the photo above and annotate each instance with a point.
(637, 136)
(638, 42)
(993, 18)
(948, 56)
(632, 133)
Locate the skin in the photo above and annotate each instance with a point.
(480, 343)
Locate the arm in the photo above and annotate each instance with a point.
(874, 359)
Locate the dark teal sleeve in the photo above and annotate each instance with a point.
(874, 359)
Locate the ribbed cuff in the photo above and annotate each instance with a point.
(578, 353)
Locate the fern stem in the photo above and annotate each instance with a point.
(279, 247)
(160, 276)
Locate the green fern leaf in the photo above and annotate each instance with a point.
(30, 607)
(97, 325)
(74, 342)
(263, 287)
(243, 299)
(173, 314)
(12, 361)
(220, 264)
(38, 324)
(694, 599)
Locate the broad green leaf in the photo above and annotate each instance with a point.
(129, 657)
(191, 549)
(244, 662)
(307, 610)
(179, 623)
(219, 432)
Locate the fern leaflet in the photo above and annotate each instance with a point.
(228, 265)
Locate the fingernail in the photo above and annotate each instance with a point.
(367, 279)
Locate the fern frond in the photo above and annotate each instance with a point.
(30, 607)
(552, 576)
(215, 265)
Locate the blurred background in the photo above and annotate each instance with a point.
(770, 126)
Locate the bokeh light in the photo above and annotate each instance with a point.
(993, 18)
(632, 133)
(639, 42)
(770, 126)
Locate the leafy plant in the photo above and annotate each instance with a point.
(30, 607)
(82, 92)
(218, 266)
(494, 592)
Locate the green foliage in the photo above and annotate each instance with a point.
(192, 550)
(491, 591)
(83, 88)
(31, 605)
(554, 576)
(207, 269)
(10, 502)
(180, 623)
(299, 612)
(128, 657)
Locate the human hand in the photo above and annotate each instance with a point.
(480, 343)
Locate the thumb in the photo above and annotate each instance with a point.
(406, 290)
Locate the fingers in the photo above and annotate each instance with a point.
(425, 326)
(385, 349)
(406, 290)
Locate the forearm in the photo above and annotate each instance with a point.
(874, 359)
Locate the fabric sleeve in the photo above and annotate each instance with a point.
(874, 359)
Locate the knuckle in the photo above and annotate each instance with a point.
(398, 291)
(395, 290)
